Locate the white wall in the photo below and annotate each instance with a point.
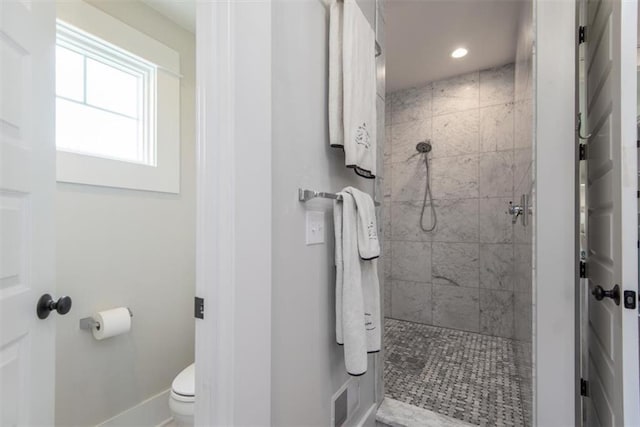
(307, 364)
(554, 212)
(128, 248)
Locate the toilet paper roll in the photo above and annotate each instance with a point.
(112, 322)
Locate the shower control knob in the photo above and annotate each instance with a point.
(46, 305)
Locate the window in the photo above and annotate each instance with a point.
(117, 103)
(104, 99)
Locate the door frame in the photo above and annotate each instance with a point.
(233, 225)
(555, 266)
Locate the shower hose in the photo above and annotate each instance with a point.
(428, 197)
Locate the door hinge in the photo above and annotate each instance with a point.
(584, 387)
(583, 269)
(198, 309)
(582, 152)
(582, 34)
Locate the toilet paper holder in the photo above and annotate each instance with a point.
(89, 323)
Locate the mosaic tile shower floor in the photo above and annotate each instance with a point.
(475, 378)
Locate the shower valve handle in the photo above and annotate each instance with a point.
(522, 210)
(515, 211)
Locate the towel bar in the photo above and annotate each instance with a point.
(306, 195)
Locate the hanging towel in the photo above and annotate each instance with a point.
(357, 287)
(352, 86)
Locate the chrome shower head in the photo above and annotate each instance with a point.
(423, 147)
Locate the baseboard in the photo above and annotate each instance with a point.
(149, 413)
(368, 419)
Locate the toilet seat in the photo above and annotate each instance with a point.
(181, 398)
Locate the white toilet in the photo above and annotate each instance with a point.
(183, 396)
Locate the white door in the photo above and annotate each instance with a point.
(614, 397)
(27, 179)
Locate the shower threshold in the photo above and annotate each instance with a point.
(394, 413)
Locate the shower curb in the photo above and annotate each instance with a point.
(393, 413)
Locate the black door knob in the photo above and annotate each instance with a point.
(601, 294)
(46, 305)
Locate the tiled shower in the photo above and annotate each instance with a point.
(469, 280)
(461, 275)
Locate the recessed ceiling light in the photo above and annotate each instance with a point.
(459, 52)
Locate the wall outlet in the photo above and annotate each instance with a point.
(315, 227)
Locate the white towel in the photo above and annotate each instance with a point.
(357, 287)
(336, 117)
(352, 86)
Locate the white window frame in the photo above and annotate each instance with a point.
(161, 171)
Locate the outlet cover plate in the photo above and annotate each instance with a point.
(315, 228)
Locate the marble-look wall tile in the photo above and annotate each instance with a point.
(457, 220)
(522, 178)
(495, 223)
(405, 221)
(388, 302)
(411, 301)
(387, 176)
(523, 267)
(496, 313)
(471, 122)
(522, 321)
(496, 266)
(497, 85)
(521, 233)
(456, 94)
(411, 104)
(496, 127)
(386, 219)
(455, 264)
(455, 134)
(456, 307)
(406, 135)
(387, 146)
(408, 181)
(386, 259)
(380, 136)
(454, 177)
(523, 125)
(411, 261)
(496, 174)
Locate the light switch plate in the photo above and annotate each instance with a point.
(315, 227)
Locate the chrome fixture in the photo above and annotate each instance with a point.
(523, 210)
(306, 195)
(515, 211)
(89, 323)
(423, 148)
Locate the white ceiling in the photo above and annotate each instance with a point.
(421, 34)
(182, 12)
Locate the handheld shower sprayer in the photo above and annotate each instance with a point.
(423, 148)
